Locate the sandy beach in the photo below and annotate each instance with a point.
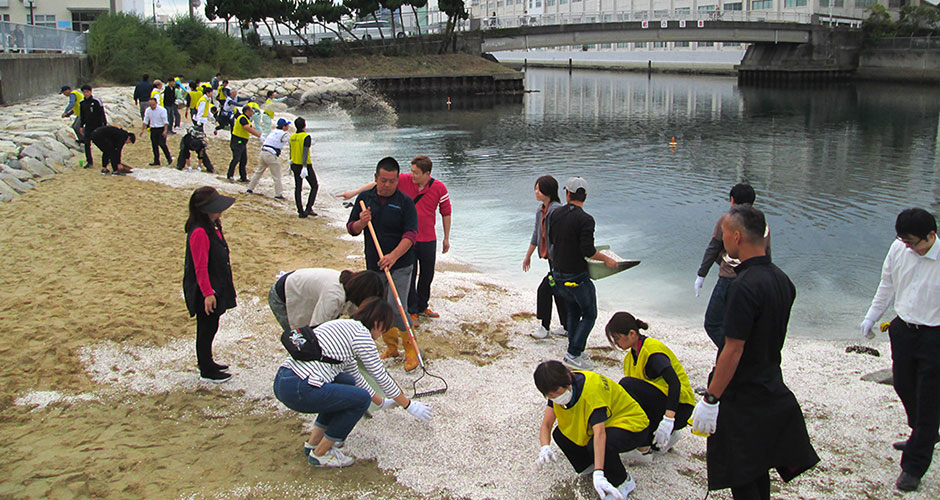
(101, 396)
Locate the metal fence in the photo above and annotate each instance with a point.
(494, 22)
(909, 42)
(25, 38)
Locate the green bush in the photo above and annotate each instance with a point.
(122, 47)
(324, 48)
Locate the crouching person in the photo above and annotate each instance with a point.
(335, 389)
(597, 420)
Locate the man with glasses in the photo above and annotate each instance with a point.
(910, 278)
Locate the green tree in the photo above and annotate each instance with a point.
(455, 11)
(878, 25)
(415, 5)
(363, 8)
(392, 6)
(919, 20)
(208, 49)
(121, 47)
(224, 9)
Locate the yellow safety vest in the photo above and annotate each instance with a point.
(297, 147)
(79, 97)
(633, 367)
(205, 111)
(158, 93)
(194, 97)
(238, 129)
(268, 111)
(623, 412)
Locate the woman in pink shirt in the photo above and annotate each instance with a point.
(207, 277)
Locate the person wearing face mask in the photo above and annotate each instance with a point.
(654, 377)
(597, 420)
(335, 389)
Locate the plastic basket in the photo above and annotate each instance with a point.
(597, 269)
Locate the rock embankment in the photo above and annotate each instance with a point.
(37, 143)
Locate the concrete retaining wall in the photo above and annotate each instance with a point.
(900, 65)
(24, 76)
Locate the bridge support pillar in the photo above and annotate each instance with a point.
(831, 56)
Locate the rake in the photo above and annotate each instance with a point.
(404, 317)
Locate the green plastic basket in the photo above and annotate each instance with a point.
(597, 269)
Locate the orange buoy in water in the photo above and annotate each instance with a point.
(448, 102)
(673, 143)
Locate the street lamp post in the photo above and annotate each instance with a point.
(32, 5)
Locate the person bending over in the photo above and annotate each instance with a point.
(597, 420)
(314, 295)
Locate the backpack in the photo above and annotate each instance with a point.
(302, 345)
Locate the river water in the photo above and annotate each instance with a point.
(832, 168)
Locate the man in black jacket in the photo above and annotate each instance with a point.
(92, 116)
(142, 94)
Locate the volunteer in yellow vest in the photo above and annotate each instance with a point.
(654, 377)
(203, 110)
(268, 109)
(157, 92)
(597, 420)
(73, 108)
(302, 168)
(241, 132)
(193, 96)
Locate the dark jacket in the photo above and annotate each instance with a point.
(142, 91)
(92, 114)
(220, 275)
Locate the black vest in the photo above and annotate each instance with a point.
(220, 276)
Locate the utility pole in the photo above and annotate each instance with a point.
(32, 18)
(192, 5)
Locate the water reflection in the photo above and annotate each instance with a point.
(832, 168)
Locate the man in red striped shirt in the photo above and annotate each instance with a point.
(430, 195)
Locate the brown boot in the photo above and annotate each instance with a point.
(391, 341)
(411, 355)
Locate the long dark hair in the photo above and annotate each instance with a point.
(362, 285)
(549, 187)
(374, 312)
(197, 218)
(620, 324)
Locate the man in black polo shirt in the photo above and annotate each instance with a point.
(761, 424)
(111, 140)
(571, 234)
(92, 116)
(395, 220)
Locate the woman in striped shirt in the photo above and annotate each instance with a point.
(338, 392)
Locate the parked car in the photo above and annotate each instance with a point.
(367, 30)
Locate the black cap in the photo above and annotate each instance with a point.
(216, 204)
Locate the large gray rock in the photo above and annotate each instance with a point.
(17, 185)
(885, 377)
(6, 192)
(19, 174)
(34, 151)
(57, 151)
(35, 167)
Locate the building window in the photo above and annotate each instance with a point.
(864, 4)
(837, 3)
(660, 13)
(549, 3)
(794, 3)
(659, 45)
(639, 45)
(731, 44)
(896, 4)
(5, 18)
(705, 44)
(681, 44)
(622, 45)
(706, 8)
(43, 20)
(81, 20)
(684, 10)
(499, 3)
(762, 4)
(734, 6)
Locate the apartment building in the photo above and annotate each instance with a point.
(76, 15)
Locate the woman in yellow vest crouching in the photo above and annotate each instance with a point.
(597, 420)
(654, 377)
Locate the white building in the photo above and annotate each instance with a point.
(76, 15)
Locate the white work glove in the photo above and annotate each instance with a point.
(866, 327)
(546, 455)
(387, 403)
(603, 487)
(303, 173)
(705, 418)
(664, 432)
(419, 411)
(699, 281)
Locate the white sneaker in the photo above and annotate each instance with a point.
(578, 362)
(625, 488)
(637, 457)
(673, 439)
(332, 458)
(540, 333)
(560, 331)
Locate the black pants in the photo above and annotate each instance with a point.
(582, 457)
(239, 148)
(173, 116)
(420, 291)
(758, 489)
(109, 153)
(89, 159)
(158, 142)
(915, 354)
(206, 328)
(543, 304)
(202, 155)
(299, 188)
(653, 402)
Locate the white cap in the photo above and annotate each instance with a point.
(575, 183)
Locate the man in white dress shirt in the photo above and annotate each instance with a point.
(155, 117)
(910, 278)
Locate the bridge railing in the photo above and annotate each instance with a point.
(909, 42)
(515, 21)
(24, 38)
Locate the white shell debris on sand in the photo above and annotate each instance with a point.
(42, 399)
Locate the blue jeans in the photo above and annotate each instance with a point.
(340, 404)
(715, 312)
(581, 301)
